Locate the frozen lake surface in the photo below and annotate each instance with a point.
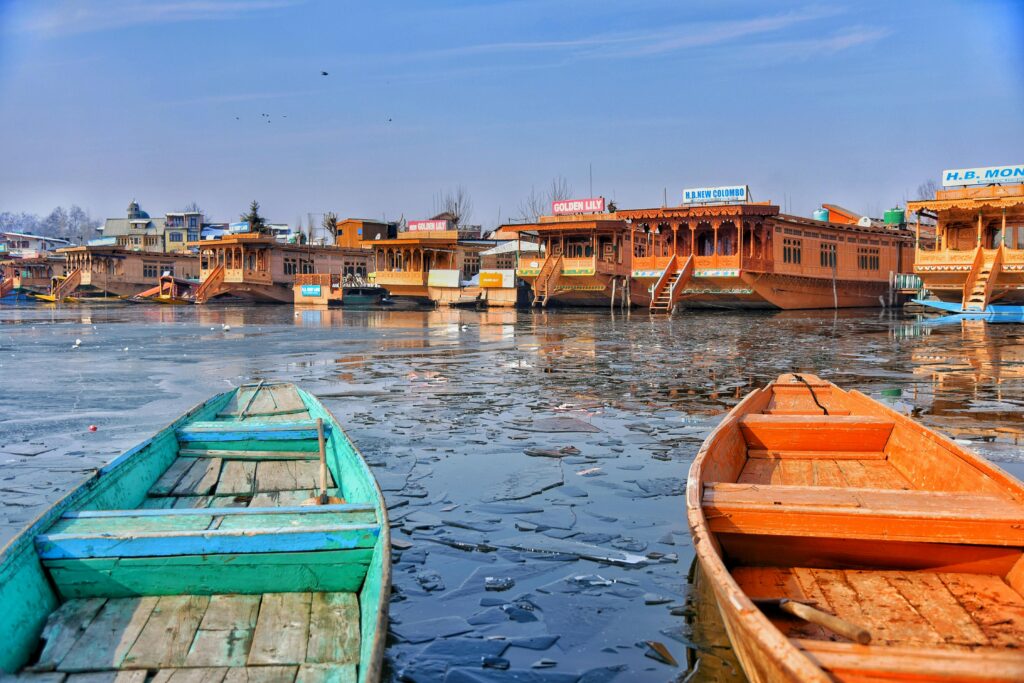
(494, 435)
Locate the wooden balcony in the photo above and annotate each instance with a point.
(650, 263)
(716, 262)
(579, 266)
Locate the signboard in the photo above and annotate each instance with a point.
(713, 195)
(432, 226)
(497, 278)
(443, 278)
(310, 290)
(567, 206)
(983, 176)
(239, 227)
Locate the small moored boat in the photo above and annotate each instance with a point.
(845, 542)
(247, 541)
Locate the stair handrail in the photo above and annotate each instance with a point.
(214, 279)
(972, 277)
(6, 286)
(659, 286)
(684, 276)
(64, 287)
(547, 271)
(997, 266)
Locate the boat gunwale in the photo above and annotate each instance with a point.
(736, 608)
(370, 671)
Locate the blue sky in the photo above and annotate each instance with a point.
(855, 103)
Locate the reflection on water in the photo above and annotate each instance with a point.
(443, 403)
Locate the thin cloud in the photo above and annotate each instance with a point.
(644, 43)
(69, 17)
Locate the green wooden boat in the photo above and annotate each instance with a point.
(209, 553)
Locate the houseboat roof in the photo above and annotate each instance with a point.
(972, 199)
(739, 209)
(512, 246)
(570, 223)
(35, 237)
(114, 250)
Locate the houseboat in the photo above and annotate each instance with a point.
(428, 263)
(99, 271)
(21, 278)
(258, 267)
(976, 262)
(734, 254)
(584, 259)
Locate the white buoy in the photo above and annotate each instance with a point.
(78, 342)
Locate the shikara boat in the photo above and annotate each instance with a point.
(247, 541)
(845, 542)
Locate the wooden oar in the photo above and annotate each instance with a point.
(323, 498)
(815, 616)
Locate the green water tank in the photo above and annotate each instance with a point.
(895, 217)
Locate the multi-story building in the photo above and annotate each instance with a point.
(141, 232)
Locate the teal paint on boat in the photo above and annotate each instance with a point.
(108, 539)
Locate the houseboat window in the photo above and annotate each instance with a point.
(727, 239)
(867, 258)
(167, 268)
(204, 260)
(251, 258)
(828, 256)
(791, 250)
(150, 270)
(174, 237)
(289, 266)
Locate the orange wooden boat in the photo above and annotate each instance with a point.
(829, 500)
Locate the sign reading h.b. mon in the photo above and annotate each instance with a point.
(983, 176)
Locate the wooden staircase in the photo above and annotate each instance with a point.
(6, 286)
(670, 285)
(978, 288)
(65, 285)
(208, 289)
(546, 280)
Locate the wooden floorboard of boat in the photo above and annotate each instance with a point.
(270, 637)
(921, 609)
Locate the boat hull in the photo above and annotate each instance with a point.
(57, 559)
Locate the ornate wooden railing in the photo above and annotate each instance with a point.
(666, 275)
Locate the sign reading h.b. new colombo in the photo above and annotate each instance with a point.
(701, 195)
(983, 176)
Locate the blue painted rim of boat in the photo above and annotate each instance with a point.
(221, 512)
(206, 542)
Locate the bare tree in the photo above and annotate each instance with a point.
(457, 203)
(535, 205)
(193, 207)
(559, 189)
(927, 189)
(330, 224)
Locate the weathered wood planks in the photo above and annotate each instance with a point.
(285, 475)
(236, 478)
(110, 636)
(225, 634)
(282, 630)
(333, 629)
(63, 628)
(168, 634)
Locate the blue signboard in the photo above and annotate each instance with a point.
(239, 227)
(310, 290)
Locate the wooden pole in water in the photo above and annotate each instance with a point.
(613, 293)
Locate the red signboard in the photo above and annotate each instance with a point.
(428, 225)
(567, 206)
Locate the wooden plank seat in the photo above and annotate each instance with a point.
(242, 431)
(815, 432)
(862, 513)
(202, 531)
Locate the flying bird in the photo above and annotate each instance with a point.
(323, 73)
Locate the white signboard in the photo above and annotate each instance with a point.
(983, 176)
(716, 195)
(443, 278)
